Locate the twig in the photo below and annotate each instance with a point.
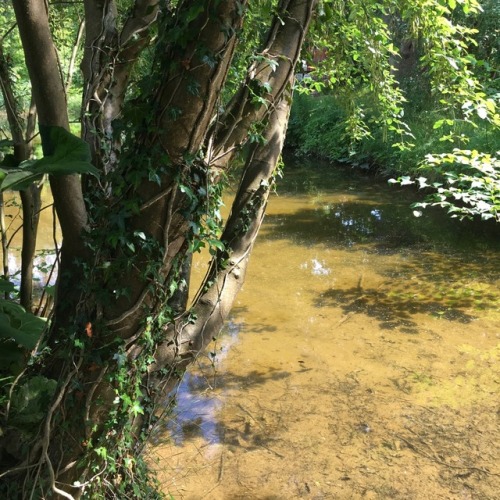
(221, 467)
(55, 489)
(441, 462)
(346, 318)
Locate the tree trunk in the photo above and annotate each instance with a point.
(30, 197)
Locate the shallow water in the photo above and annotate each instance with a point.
(360, 360)
(48, 238)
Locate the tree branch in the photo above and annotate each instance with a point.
(74, 52)
(195, 72)
(187, 339)
(272, 70)
(107, 64)
(30, 197)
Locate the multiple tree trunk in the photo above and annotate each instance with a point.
(187, 131)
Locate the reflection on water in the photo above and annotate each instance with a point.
(318, 268)
(355, 315)
(195, 411)
(47, 238)
(43, 263)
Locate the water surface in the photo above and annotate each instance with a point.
(360, 360)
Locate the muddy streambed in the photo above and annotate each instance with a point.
(360, 360)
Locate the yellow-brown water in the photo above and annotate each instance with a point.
(360, 361)
(48, 237)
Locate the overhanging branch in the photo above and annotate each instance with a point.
(186, 339)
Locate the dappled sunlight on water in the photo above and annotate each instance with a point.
(361, 359)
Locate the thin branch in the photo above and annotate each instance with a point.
(231, 131)
(7, 33)
(74, 52)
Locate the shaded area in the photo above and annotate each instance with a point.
(198, 406)
(391, 311)
(385, 226)
(350, 210)
(444, 286)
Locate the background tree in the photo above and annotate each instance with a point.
(412, 91)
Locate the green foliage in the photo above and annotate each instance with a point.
(251, 39)
(14, 55)
(20, 331)
(449, 100)
(30, 401)
(17, 324)
(470, 186)
(69, 155)
(316, 127)
(64, 19)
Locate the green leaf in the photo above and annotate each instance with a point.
(23, 338)
(70, 155)
(6, 286)
(217, 244)
(18, 179)
(136, 409)
(102, 452)
(482, 113)
(18, 325)
(31, 399)
(10, 354)
(438, 124)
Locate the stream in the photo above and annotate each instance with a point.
(359, 361)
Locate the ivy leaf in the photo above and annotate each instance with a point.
(136, 409)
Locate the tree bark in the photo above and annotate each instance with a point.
(267, 77)
(50, 98)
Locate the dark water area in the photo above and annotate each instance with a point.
(372, 211)
(365, 341)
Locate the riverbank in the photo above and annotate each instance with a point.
(318, 128)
